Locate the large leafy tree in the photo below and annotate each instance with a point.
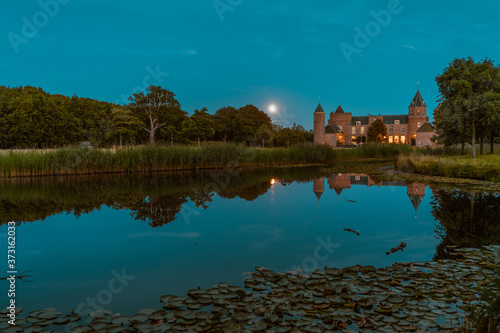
(264, 135)
(450, 126)
(200, 126)
(377, 131)
(224, 123)
(32, 118)
(157, 107)
(125, 124)
(247, 121)
(469, 94)
(286, 136)
(102, 133)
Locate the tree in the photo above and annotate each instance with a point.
(100, 134)
(247, 121)
(450, 126)
(125, 124)
(263, 135)
(200, 126)
(377, 131)
(469, 92)
(157, 107)
(224, 123)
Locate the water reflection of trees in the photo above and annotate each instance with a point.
(156, 199)
(466, 219)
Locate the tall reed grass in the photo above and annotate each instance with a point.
(155, 158)
(75, 161)
(483, 168)
(373, 150)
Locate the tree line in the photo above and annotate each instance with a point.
(469, 109)
(33, 118)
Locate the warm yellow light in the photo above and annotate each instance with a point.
(273, 181)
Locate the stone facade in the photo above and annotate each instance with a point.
(344, 129)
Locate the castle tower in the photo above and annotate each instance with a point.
(416, 193)
(319, 187)
(417, 116)
(319, 125)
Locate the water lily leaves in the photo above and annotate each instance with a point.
(395, 299)
(99, 313)
(413, 297)
(120, 321)
(138, 318)
(48, 315)
(34, 328)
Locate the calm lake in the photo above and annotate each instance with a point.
(120, 242)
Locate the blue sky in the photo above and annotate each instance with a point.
(238, 52)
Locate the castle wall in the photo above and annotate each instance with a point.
(416, 189)
(398, 133)
(340, 181)
(424, 139)
(331, 139)
(342, 120)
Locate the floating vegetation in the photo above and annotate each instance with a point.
(406, 297)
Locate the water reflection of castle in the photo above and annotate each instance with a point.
(343, 181)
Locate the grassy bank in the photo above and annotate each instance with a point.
(484, 167)
(149, 158)
(78, 161)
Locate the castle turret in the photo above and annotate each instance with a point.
(319, 125)
(417, 116)
(319, 187)
(416, 193)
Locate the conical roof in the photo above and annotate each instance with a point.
(319, 108)
(318, 194)
(418, 100)
(416, 199)
(338, 191)
(339, 110)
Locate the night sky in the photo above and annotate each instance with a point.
(368, 54)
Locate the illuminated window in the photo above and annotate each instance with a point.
(403, 139)
(391, 139)
(354, 130)
(396, 139)
(391, 130)
(363, 130)
(357, 177)
(418, 124)
(396, 122)
(353, 138)
(358, 123)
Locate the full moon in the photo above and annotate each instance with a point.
(272, 108)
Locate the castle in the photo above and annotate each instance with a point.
(344, 129)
